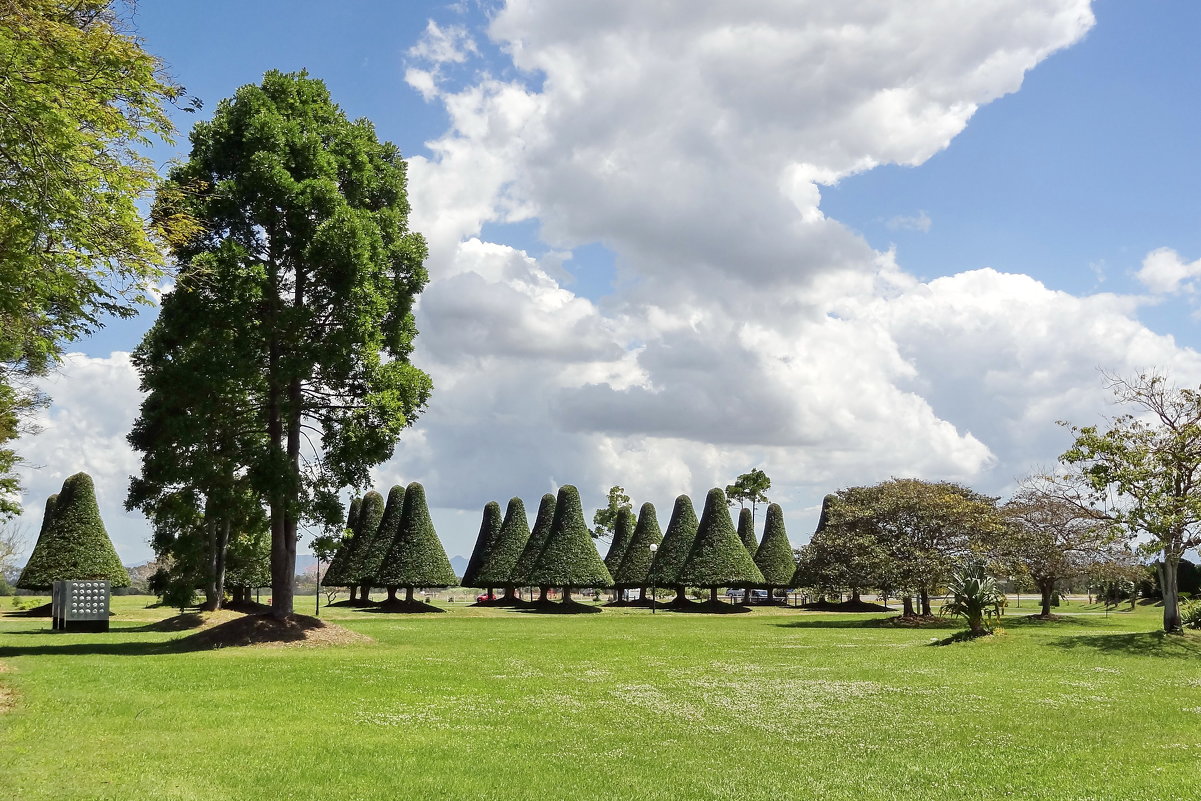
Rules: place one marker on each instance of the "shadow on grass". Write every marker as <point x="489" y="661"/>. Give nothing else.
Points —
<point x="404" y="608"/>
<point x="1036" y="621"/>
<point x="558" y="608"/>
<point x="82" y="648"/>
<point x="1151" y="643"/>
<point x="710" y="608"/>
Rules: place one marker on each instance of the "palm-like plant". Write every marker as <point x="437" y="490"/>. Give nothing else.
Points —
<point x="973" y="592"/>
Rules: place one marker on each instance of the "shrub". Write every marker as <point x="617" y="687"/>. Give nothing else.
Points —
<point x="569" y="558"/>
<point x="634" y="570"/>
<point x="489" y="531"/>
<point x="498" y="567"/>
<point x="746" y="530"/>
<point x="416" y="557"/>
<point x="623" y="532"/>
<point x="74" y="544"/>
<point x="718" y="558"/>
<point x="537" y="541"/>
<point x="677" y="543"/>
<point x="774" y="557"/>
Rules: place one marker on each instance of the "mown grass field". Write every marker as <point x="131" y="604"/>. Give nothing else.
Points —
<point x="486" y="703"/>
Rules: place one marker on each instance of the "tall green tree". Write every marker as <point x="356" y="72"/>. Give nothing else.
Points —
<point x="718" y="558"/>
<point x="484" y="541"/>
<point x="416" y="558"/>
<point x="923" y="527"/>
<point x="75" y="545"/>
<point x="604" y="521"/>
<point x="749" y="488"/>
<point x="524" y="568"/>
<point x="361" y="561"/>
<point x="569" y="559"/>
<point x="498" y="567"/>
<point x="673" y="552"/>
<point x="1144" y="470"/>
<point x="303" y="243"/>
<point x="80" y="100"/>
<point x="846" y="553"/>
<point x="774" y="557"/>
<point x="634" y="570"/>
<point x="1053" y="535"/>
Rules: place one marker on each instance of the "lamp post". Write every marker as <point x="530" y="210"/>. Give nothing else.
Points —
<point x="654" y="548"/>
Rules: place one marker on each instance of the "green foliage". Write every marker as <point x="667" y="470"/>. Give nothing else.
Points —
<point x="75" y="545"/>
<point x="335" y="574"/>
<point x="81" y="100"/>
<point x="774" y="556"/>
<point x="360" y="565"/>
<point x="677" y="543"/>
<point x="1190" y="614"/>
<point x="746" y="530"/>
<point x="538" y="537"/>
<point x="846" y="552"/>
<point x="569" y="559"/>
<point x="634" y="570"/>
<point x="605" y="520"/>
<point x="749" y="488"/>
<point x="377" y="546"/>
<point x="623" y="533"/>
<point x="498" y="568"/>
<point x="350" y="571"/>
<point x="416" y="558"/>
<point x="307" y="273"/>
<point x="489" y="531"/>
<point x="973" y="592"/>
<point x="248" y="563"/>
<point x="1143" y="471"/>
<point x="718" y="558"/>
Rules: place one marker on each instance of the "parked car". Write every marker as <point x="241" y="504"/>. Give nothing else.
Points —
<point x="483" y="596"/>
<point x="736" y="594"/>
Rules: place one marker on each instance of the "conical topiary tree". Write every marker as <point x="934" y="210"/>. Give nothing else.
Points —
<point x="371" y="511"/>
<point x="623" y="532"/>
<point x="634" y="570"/>
<point x="335" y="574"/>
<point x="569" y="558"/>
<point x="498" y="567"/>
<point x="674" y="550"/>
<point x="416" y="558"/>
<point x="524" y="568"/>
<point x="774" y="558"/>
<point x="718" y="557"/>
<point x="746" y="530"/>
<point x="489" y="531"/>
<point x="74" y="545"/>
<point x="385" y="537"/>
<point x="361" y="564"/>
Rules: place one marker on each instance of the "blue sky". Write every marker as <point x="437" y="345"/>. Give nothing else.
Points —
<point x="658" y="259"/>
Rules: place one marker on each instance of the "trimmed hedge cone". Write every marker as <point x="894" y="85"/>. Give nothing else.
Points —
<point x="498" y="567"/>
<point x="718" y="557"/>
<point x="673" y="552"/>
<point x="381" y="544"/>
<point x="569" y="559"/>
<point x="774" y="558"/>
<point x="746" y="531"/>
<point x="73" y="545"/>
<point x="416" y="557"/>
<point x="524" y="569"/>
<point x="489" y="531"/>
<point x="371" y="511"/>
<point x="634" y="571"/>
<point x="336" y="572"/>
<point x="623" y="533"/>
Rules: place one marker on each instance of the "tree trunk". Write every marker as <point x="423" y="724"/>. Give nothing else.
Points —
<point x="353" y="593"/>
<point x="542" y="591"/>
<point x="392" y="593"/>
<point x="408" y="595"/>
<point x="925" y="598"/>
<point x="907" y="609"/>
<point x="855" y="595"/>
<point x="680" y="592"/>
<point x="222" y="550"/>
<point x="510" y="597"/>
<point x="211" y="601"/>
<point x="365" y="594"/>
<point x="1046" y="589"/>
<point x="713" y="595"/>
<point x="1171" y="594"/>
<point x="566" y="595"/>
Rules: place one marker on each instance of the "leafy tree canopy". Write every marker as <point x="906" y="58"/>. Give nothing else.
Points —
<point x="604" y="522"/>
<point x="749" y="488"/>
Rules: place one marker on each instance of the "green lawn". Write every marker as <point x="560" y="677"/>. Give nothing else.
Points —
<point x="498" y="704"/>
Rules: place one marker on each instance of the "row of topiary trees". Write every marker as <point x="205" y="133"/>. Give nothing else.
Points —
<point x="559" y="552"/>
<point x="393" y="545"/>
